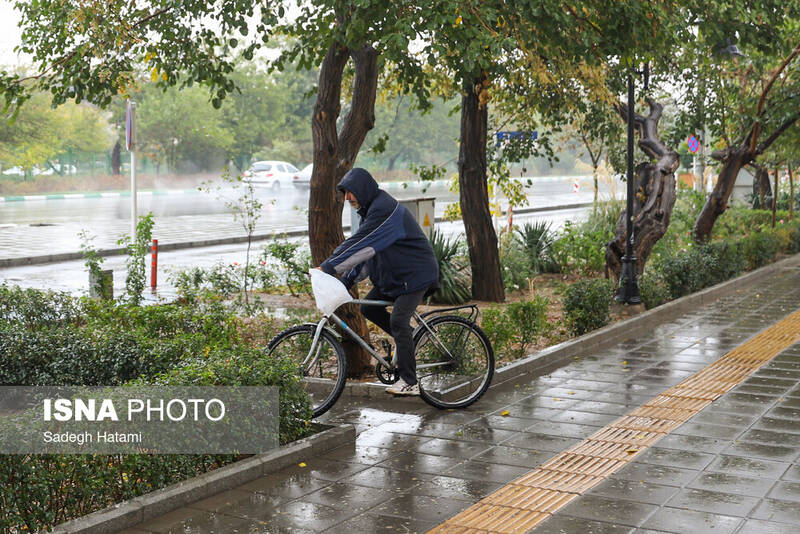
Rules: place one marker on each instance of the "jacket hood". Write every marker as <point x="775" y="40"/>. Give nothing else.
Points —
<point x="361" y="184"/>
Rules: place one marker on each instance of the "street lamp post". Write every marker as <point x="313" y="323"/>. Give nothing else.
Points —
<point x="628" y="292"/>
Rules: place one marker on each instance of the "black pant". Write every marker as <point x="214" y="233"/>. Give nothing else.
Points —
<point x="397" y="325"/>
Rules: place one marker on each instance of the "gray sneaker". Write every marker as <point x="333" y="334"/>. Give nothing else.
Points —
<point x="401" y="388"/>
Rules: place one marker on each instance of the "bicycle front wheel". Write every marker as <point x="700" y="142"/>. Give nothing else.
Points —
<point x="324" y="370"/>
<point x="455" y="362"/>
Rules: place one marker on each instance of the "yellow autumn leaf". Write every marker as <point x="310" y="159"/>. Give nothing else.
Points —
<point x="624" y="362"/>
<point x="154" y="75"/>
<point x="302" y="464"/>
<point x="458" y="21"/>
<point x="505" y="413"/>
<point x="632" y="450"/>
<point x="164" y="76"/>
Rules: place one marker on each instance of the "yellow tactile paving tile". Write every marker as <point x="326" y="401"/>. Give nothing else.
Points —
<point x="500" y="519"/>
<point x="530" y="498"/>
<point x="677" y="403"/>
<point x="626" y="435"/>
<point x="558" y="481"/>
<point x="527" y="501"/>
<point x="661" y="412"/>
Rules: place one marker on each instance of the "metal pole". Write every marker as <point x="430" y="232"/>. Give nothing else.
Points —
<point x="154" y="266"/>
<point x="629" y="290"/>
<point x="134" y="210"/>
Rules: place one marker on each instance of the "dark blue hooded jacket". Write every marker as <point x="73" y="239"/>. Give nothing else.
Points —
<point x="389" y="245"/>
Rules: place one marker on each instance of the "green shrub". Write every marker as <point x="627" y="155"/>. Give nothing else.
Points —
<point x="515" y="265"/>
<point x="760" y="248"/>
<point x="727" y="262"/>
<point x="687" y="272"/>
<point x="497" y="329"/>
<point x="455" y="283"/>
<point x="242" y="366"/>
<point x="294" y="260"/>
<point x="535" y="239"/>
<point x="587" y="305"/>
<point x="581" y="248"/>
<point x="513" y="329"/>
<point x="40" y="491"/>
<point x="653" y="290"/>
<point x="53" y="339"/>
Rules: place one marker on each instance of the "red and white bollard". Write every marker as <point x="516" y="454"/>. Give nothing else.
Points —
<point x="154" y="266"/>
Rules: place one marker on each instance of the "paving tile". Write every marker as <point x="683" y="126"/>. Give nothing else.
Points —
<point x="778" y="425"/>
<point x="708" y="430"/>
<point x="740" y="485"/>
<point x="780" y="511"/>
<point x="487" y="472"/>
<point x="604" y="407"/>
<point x="453" y="487"/>
<point x="387" y="479"/>
<point x="674" y="458"/>
<point x="754" y="467"/>
<point x="381" y="523"/>
<point x="422" y="507"/>
<point x="482" y="434"/>
<point x="192" y="520"/>
<point x="455" y="449"/>
<point x="417" y="462"/>
<point x="507" y="422"/>
<point x="239" y="503"/>
<point x="564" y="524"/>
<point x="734" y="420"/>
<point x="307" y="515"/>
<point x="786" y="491"/>
<point x="541" y="442"/>
<point x="787" y="412"/>
<point x="528" y="412"/>
<point x="540" y="401"/>
<point x="768" y="437"/>
<point x="792" y="473"/>
<point x="566" y="430"/>
<point x="584" y="418"/>
<point x="349" y="497"/>
<point x="657" y="474"/>
<point x="637" y="491"/>
<point x="714" y="502"/>
<point x="283" y="487"/>
<point x="359" y="454"/>
<point x="611" y="510"/>
<point x="518" y="456"/>
<point x="758" y="450"/>
<point x="693" y="443"/>
<point x="758" y="526"/>
<point x="376" y="438"/>
<point x="684" y="521"/>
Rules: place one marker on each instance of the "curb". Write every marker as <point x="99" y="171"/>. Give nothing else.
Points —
<point x="139" y="509"/>
<point x="81" y="196"/>
<point x="6" y="263"/>
<point x="608" y="335"/>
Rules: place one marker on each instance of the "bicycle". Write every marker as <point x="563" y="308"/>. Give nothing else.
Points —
<point x="455" y="360"/>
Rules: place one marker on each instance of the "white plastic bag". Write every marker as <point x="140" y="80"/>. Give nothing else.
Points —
<point x="329" y="292"/>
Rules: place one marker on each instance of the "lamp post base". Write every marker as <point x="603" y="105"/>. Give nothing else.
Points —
<point x="628" y="292"/>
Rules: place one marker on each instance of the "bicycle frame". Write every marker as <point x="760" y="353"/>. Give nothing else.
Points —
<point x="311" y="357"/>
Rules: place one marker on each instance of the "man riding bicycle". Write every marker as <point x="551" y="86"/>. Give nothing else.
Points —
<point x="391" y="249"/>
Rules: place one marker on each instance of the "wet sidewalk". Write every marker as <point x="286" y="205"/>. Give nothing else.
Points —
<point x="732" y="467"/>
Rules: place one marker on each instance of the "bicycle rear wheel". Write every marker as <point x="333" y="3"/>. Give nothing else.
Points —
<point x="455" y="362"/>
<point x="324" y="372"/>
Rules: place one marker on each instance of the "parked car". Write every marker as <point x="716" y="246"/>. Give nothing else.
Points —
<point x="274" y="174"/>
<point x="302" y="180"/>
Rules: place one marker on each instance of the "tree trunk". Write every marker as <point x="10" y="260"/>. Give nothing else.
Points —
<point x="775" y="197"/>
<point x="654" y="184"/>
<point x="761" y="187"/>
<point x="717" y="201"/>
<point x="487" y="280"/>
<point x="791" y="194"/>
<point x="116" y="159"/>
<point x="334" y="154"/>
